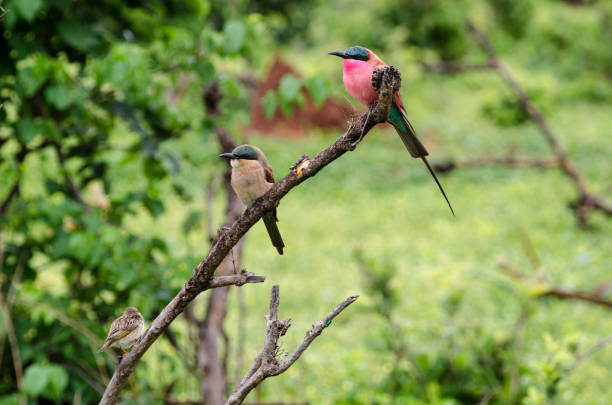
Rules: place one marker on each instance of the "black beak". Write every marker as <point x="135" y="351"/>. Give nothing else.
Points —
<point x="228" y="156"/>
<point x="340" y="54"/>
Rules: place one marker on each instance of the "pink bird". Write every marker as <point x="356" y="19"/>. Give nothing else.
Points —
<point x="358" y="65"/>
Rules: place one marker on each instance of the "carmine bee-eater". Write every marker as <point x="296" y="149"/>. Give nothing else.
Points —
<point x="358" y="65"/>
<point x="252" y="176"/>
<point x="125" y="330"/>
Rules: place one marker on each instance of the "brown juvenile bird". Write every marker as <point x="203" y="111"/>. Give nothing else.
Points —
<point x="125" y="330"/>
<point x="252" y="176"/>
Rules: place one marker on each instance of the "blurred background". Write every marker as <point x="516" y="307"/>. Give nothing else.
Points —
<point x="112" y="116"/>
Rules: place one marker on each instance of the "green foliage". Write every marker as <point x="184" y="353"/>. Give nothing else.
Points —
<point x="435" y="24"/>
<point x="45" y="380"/>
<point x="102" y="119"/>
<point x="514" y="16"/>
<point x="291" y="93"/>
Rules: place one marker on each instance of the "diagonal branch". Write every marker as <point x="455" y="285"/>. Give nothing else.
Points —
<point x="389" y="81"/>
<point x="266" y="363"/>
<point x="586" y="201"/>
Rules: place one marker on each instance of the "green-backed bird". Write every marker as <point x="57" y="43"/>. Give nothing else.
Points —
<point x="125" y="330"/>
<point x="252" y="176"/>
<point x="358" y="65"/>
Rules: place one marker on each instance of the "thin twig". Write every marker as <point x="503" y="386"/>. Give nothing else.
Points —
<point x="589" y="352"/>
<point x="266" y="363"/>
<point x="489" y="161"/>
<point x="577" y="295"/>
<point x="229" y="237"/>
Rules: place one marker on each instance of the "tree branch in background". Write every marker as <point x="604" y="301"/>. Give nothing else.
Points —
<point x="586" y="201"/>
<point x="388" y="80"/>
<point x="455" y="67"/>
<point x="594" y="296"/>
<point x="266" y="363"/>
<point x="489" y="161"/>
<point x="211" y="361"/>
<point x="9" y="197"/>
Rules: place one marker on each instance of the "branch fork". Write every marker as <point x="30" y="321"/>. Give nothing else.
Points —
<point x="200" y="281"/>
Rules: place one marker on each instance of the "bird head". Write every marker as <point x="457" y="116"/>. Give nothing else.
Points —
<point x="355" y="53"/>
<point x="246" y="152"/>
<point x="131" y="311"/>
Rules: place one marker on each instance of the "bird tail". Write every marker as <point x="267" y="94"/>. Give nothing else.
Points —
<point x="107" y="343"/>
<point x="269" y="219"/>
<point x="404" y="129"/>
<point x="438" y="183"/>
<point x="398" y="119"/>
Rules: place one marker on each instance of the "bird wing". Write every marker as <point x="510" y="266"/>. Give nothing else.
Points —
<point x="121" y="327"/>
<point x="269" y="174"/>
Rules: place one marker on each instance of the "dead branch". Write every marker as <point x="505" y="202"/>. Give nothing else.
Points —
<point x="390" y="82"/>
<point x="239" y="279"/>
<point x="490" y="161"/>
<point x="586" y="202"/>
<point x="211" y="361"/>
<point x="594" y="296"/>
<point x="586" y="296"/>
<point x="266" y="363"/>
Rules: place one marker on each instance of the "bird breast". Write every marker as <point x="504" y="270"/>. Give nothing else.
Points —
<point x="357" y="77"/>
<point x="249" y="181"/>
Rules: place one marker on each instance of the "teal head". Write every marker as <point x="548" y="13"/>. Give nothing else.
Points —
<point x="354" y="52"/>
<point x="245" y="152"/>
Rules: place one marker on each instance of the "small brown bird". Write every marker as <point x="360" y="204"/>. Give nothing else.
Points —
<point x="125" y="330"/>
<point x="252" y="176"/>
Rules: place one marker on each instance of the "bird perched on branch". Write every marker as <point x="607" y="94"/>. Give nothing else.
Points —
<point x="358" y="65"/>
<point x="252" y="176"/>
<point x="125" y="330"/>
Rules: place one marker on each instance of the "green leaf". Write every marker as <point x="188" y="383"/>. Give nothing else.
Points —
<point x="63" y="96"/>
<point x="28" y="129"/>
<point x="234" y="32"/>
<point x="36" y="379"/>
<point x="289" y="92"/>
<point x="154" y="205"/>
<point x="154" y="169"/>
<point x="33" y="72"/>
<point x="12" y="399"/>
<point x="268" y="102"/>
<point x="289" y="87"/>
<point x="27" y="8"/>
<point x="58" y="380"/>
<point x="318" y="88"/>
<point x="78" y="35"/>
<point x="191" y="221"/>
